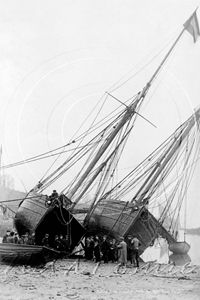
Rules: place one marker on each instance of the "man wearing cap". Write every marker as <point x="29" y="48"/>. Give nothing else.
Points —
<point x="54" y="195"/>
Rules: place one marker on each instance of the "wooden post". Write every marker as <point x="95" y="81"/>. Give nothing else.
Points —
<point x="171" y="268"/>
<point x="117" y="268"/>
<point x="175" y="272"/>
<point x="143" y="267"/>
<point x="184" y="267"/>
<point x="165" y="267"/>
<point x="150" y="270"/>
<point x="190" y="271"/>
<point x="147" y="268"/>
<point x="95" y="269"/>
<point x="70" y="268"/>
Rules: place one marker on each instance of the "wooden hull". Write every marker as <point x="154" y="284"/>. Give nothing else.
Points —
<point x="116" y="218"/>
<point x="30" y="212"/>
<point x="33" y="215"/>
<point x="179" y="247"/>
<point x="26" y="254"/>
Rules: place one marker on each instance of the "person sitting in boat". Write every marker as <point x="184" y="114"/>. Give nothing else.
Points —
<point x="5" y="237"/>
<point x="52" y="198"/>
<point x="45" y="240"/>
<point x="21" y="240"/>
<point x="54" y="195"/>
<point x="31" y="239"/>
<point x="11" y="238"/>
<point x="16" y="238"/>
<point x="26" y="235"/>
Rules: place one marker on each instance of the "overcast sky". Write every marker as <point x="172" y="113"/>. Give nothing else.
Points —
<point x="58" y="57"/>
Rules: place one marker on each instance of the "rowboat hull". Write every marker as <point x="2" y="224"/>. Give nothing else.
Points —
<point x="17" y="254"/>
<point x="179" y="247"/>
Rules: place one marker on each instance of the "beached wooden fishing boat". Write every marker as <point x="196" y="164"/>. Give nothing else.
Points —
<point x="34" y="214"/>
<point x="107" y="213"/>
<point x="132" y="217"/>
<point x="112" y="218"/>
<point x="26" y="254"/>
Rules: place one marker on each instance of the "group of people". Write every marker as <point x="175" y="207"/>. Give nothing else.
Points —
<point x="112" y="250"/>
<point x="13" y="237"/>
<point x="95" y="249"/>
<point x="59" y="242"/>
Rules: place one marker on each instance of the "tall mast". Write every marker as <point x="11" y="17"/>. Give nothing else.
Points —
<point x="100" y="169"/>
<point x="130" y="111"/>
<point x="161" y="164"/>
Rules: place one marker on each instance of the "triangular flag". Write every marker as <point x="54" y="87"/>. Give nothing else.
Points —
<point x="192" y="26"/>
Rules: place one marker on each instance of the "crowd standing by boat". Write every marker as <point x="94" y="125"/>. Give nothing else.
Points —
<point x="93" y="248"/>
<point x="111" y="250"/>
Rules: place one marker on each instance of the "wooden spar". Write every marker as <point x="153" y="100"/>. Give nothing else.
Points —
<point x="97" y="173"/>
<point x="95" y="269"/>
<point x="71" y="267"/>
<point x="128" y="114"/>
<point x="166" y="56"/>
<point x="130" y="111"/>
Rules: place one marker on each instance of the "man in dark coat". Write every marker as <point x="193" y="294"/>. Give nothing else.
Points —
<point x="97" y="250"/>
<point x="136" y="244"/>
<point x="105" y="249"/>
<point x="45" y="240"/>
<point x="91" y="248"/>
<point x="130" y="249"/>
<point x="113" y="251"/>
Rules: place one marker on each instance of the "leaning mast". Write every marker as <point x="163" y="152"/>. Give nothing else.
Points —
<point x="129" y="113"/>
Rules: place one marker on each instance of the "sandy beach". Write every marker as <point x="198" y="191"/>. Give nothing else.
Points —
<point x="86" y="280"/>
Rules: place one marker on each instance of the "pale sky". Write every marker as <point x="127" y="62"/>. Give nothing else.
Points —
<point x="58" y="57"/>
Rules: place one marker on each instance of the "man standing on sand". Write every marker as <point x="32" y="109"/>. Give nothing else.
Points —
<point x="105" y="249"/>
<point x="136" y="243"/>
<point x="122" y="252"/>
<point x="130" y="249"/>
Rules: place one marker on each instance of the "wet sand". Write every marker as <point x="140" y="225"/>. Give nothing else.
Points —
<point x="86" y="280"/>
